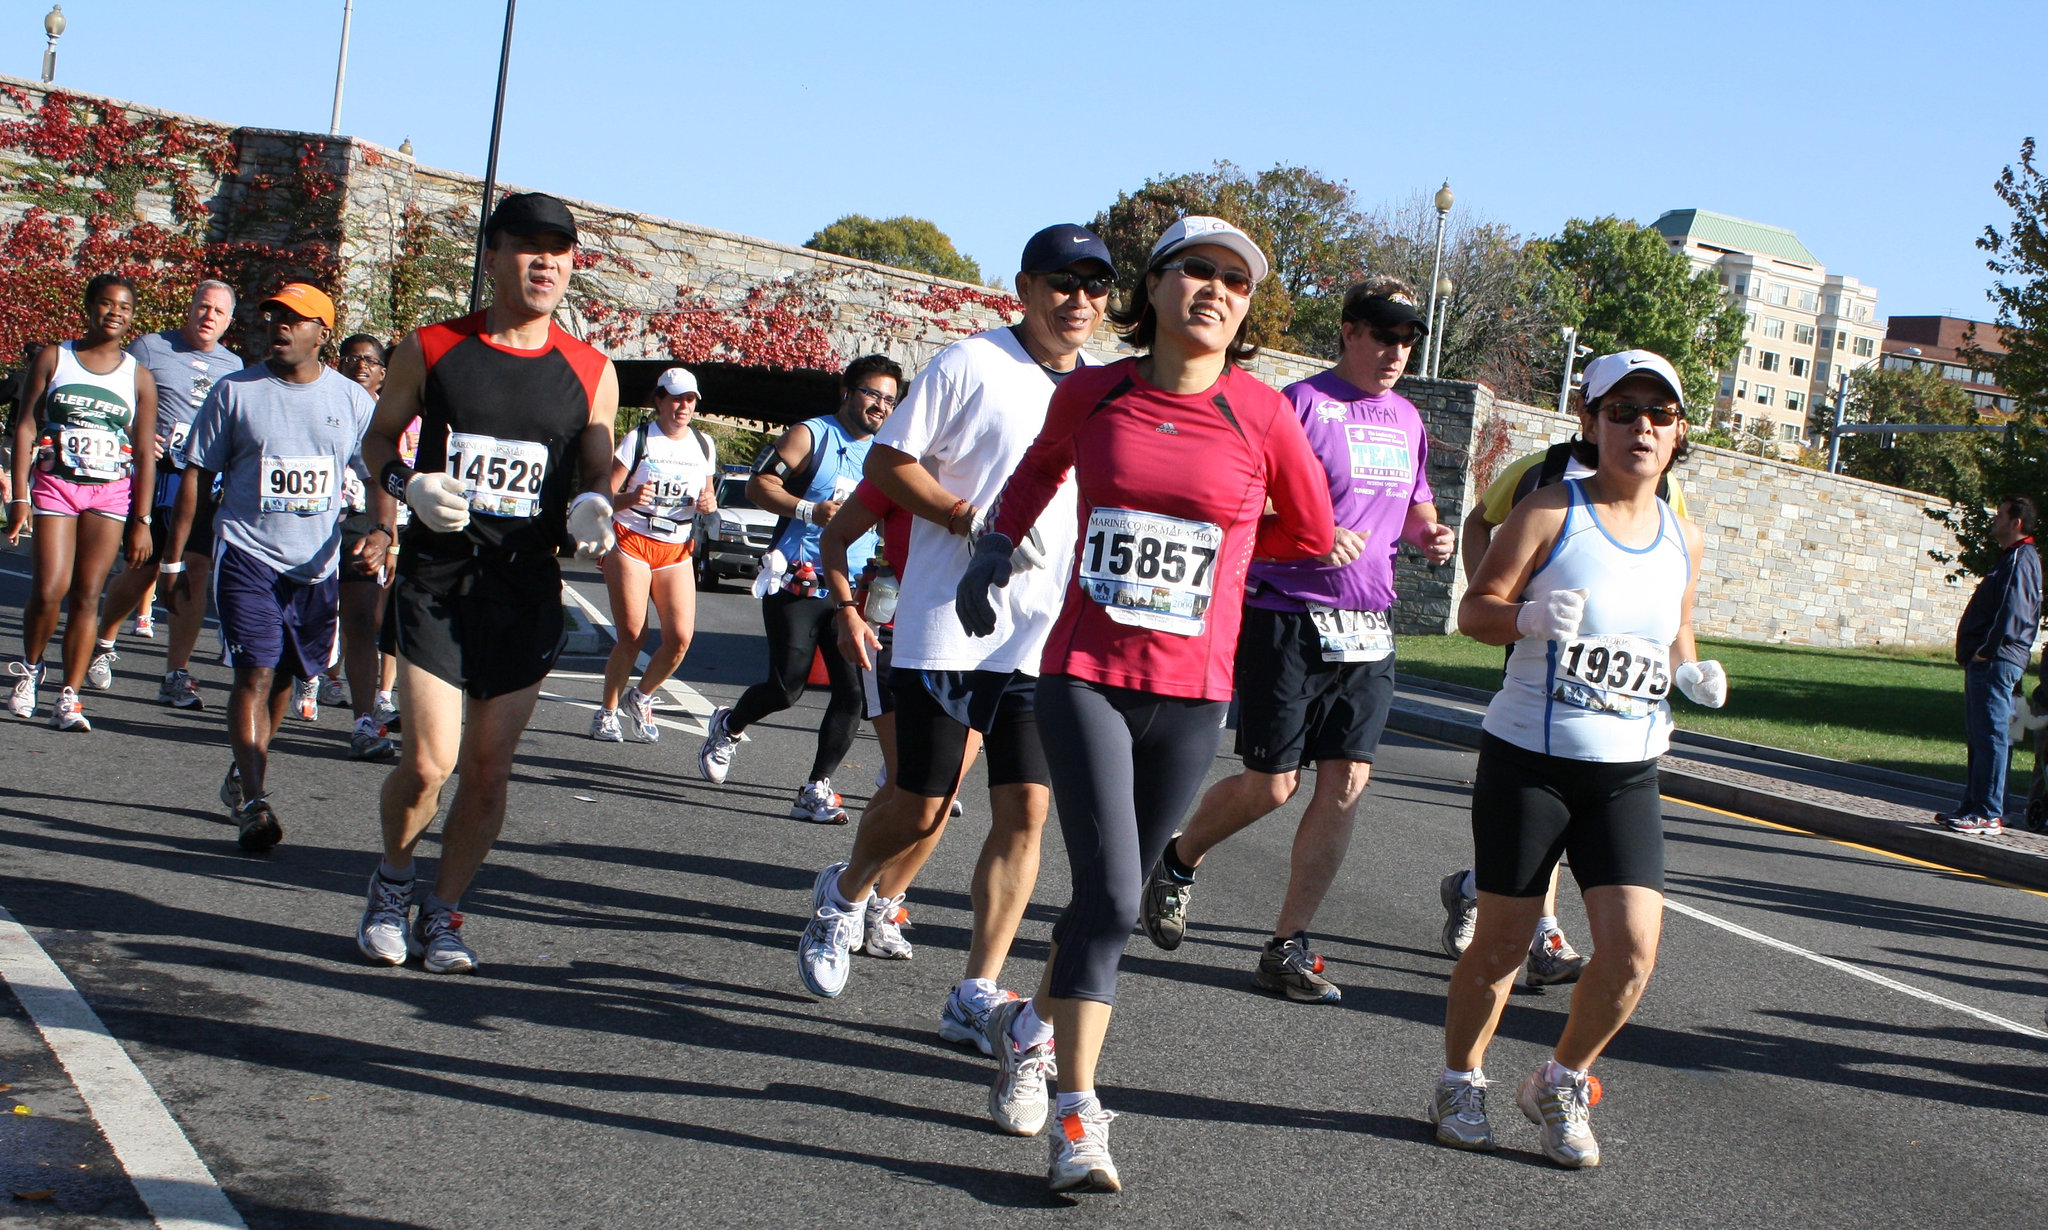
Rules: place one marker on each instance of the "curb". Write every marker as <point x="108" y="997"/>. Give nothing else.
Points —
<point x="583" y="639"/>
<point x="1950" y="850"/>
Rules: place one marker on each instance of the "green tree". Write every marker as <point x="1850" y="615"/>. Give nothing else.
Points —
<point x="902" y="243"/>
<point x="1623" y="287"/>
<point x="1136" y="219"/>
<point x="1943" y="464"/>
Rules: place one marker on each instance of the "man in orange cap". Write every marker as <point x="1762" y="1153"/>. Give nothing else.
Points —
<point x="280" y="435"/>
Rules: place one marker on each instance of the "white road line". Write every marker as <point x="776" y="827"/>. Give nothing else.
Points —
<point x="180" y="1192"/>
<point x="592" y="705"/>
<point x="688" y="697"/>
<point x="1989" y="1018"/>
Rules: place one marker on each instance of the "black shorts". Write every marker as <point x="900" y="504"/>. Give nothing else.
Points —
<point x="1293" y="707"/>
<point x="931" y="739"/>
<point x="199" y="541"/>
<point x="490" y="625"/>
<point x="354" y="528"/>
<point x="1528" y="809"/>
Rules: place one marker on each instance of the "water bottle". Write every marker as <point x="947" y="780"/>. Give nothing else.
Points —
<point x="882" y="594"/>
<point x="805" y="581"/>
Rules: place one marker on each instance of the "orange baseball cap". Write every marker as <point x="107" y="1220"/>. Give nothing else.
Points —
<point x="308" y="301"/>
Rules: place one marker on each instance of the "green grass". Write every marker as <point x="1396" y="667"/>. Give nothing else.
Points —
<point x="1895" y="708"/>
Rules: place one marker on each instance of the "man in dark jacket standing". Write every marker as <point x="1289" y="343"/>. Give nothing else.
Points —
<point x="1993" y="644"/>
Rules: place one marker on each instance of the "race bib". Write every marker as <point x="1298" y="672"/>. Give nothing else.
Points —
<point x="842" y="487"/>
<point x="178" y="433"/>
<point x="502" y="478"/>
<point x="1150" y="571"/>
<point x="297" y="484"/>
<point x="1627" y="675"/>
<point x="92" y="453"/>
<point x="1352" y="636"/>
<point x="670" y="492"/>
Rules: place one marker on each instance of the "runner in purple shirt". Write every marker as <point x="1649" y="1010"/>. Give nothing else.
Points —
<point x="1315" y="658"/>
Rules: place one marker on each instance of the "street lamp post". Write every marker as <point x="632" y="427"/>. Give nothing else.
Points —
<point x="476" y="281"/>
<point x="348" y="10"/>
<point x="1573" y="352"/>
<point x="1436" y="269"/>
<point x="53" y="25"/>
<point x="1841" y="413"/>
<point x="1435" y="342"/>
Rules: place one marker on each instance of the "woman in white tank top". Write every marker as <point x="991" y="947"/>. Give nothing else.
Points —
<point x="1591" y="581"/>
<point x="85" y="404"/>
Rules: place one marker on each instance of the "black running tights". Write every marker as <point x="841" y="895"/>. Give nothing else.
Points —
<point x="796" y="628"/>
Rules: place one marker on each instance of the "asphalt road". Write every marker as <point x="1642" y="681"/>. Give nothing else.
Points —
<point x="638" y="1049"/>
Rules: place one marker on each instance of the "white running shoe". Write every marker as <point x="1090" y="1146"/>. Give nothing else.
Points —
<point x="1552" y="961"/>
<point x="1461" y="914"/>
<point x="604" y="726"/>
<point x="385" y="710"/>
<point x="1017" y="1098"/>
<point x="956" y="811"/>
<point x="883" y="928"/>
<point x="231" y="788"/>
<point x="180" y="691"/>
<point x="306" y="700"/>
<point x="69" y="714"/>
<point x="27" y="680"/>
<point x="639" y="707"/>
<point x="382" y="932"/>
<point x="818" y="803"/>
<point x="825" y="953"/>
<point x="145" y="626"/>
<point x="1458" y="1109"/>
<point x="1566" y="1115"/>
<point x="331" y="691"/>
<point x="437" y="938"/>
<point x="714" y="758"/>
<point x="100" y="675"/>
<point x="960" y="1021"/>
<point x="1080" y="1154"/>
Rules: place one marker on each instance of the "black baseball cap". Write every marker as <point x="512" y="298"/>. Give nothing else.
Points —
<point x="531" y="213"/>
<point x="1056" y="247"/>
<point x="1387" y="312"/>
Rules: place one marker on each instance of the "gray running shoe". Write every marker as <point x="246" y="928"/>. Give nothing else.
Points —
<point x="1552" y="961"/>
<point x="180" y="691"/>
<point x="1080" y="1154"/>
<point x="306" y="700"/>
<point x="367" y="741"/>
<point x="1461" y="914"/>
<point x="958" y="1022"/>
<point x="883" y="929"/>
<point x="1288" y="968"/>
<point x="1017" y="1099"/>
<point x="231" y="789"/>
<point x="437" y="937"/>
<point x="824" y="955"/>
<point x="260" y="829"/>
<point x="27" y="679"/>
<point x="69" y="714"/>
<point x="1165" y="907"/>
<point x="331" y="691"/>
<point x="1566" y="1115"/>
<point x="1458" y="1109"/>
<point x="714" y="758"/>
<point x="639" y="707"/>
<point x="604" y="726"/>
<point x="386" y="713"/>
<point x="386" y="919"/>
<point x="100" y="675"/>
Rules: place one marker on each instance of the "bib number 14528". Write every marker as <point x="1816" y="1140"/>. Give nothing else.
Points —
<point x="502" y="478"/>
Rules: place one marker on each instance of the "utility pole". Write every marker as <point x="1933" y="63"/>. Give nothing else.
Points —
<point x="476" y="281"/>
<point x="348" y="10"/>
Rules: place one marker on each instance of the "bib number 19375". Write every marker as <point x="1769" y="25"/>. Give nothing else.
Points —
<point x="1150" y="571"/>
<point x="1618" y="674"/>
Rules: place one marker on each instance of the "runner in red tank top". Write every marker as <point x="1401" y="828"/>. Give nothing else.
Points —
<point x="1176" y="455"/>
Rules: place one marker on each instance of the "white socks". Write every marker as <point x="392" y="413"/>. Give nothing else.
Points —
<point x="1453" y="1076"/>
<point x="1079" y="1102"/>
<point x="1554" y="1073"/>
<point x="1029" y="1029"/>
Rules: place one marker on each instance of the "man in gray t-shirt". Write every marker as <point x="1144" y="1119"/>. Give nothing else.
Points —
<point x="280" y="435"/>
<point x="187" y="362"/>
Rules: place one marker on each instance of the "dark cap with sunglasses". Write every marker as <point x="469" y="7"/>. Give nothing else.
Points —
<point x="1603" y="373"/>
<point x="1058" y="247"/>
<point x="1388" y="314"/>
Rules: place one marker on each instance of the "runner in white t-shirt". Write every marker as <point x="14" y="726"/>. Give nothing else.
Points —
<point x="662" y="477"/>
<point x="945" y="455"/>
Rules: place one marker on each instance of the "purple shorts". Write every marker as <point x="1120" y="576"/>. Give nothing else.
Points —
<point x="55" y="497"/>
<point x="269" y="621"/>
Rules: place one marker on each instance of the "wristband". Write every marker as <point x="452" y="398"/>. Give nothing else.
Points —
<point x="172" y="569"/>
<point x="395" y="477"/>
<point x="804" y="509"/>
<point x="953" y="514"/>
<point x="847" y="604"/>
<point x="381" y="529"/>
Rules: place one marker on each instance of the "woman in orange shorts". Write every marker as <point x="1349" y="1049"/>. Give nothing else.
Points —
<point x="662" y="475"/>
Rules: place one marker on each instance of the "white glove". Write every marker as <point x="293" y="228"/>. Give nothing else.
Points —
<point x="1555" y="616"/>
<point x="437" y="500"/>
<point x="769" y="580"/>
<point x="590" y="524"/>
<point x="1704" y="683"/>
<point x="1029" y="554"/>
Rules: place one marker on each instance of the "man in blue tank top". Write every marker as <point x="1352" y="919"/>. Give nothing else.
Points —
<point x="804" y="477"/>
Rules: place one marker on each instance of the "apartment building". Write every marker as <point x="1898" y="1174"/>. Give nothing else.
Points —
<point x="1944" y="345"/>
<point x="1805" y="325"/>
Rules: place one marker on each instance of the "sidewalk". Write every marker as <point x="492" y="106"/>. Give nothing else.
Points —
<point x="1876" y="807"/>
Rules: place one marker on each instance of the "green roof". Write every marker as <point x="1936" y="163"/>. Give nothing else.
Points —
<point x="1738" y="234"/>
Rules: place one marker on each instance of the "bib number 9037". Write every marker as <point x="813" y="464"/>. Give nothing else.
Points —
<point x="297" y="484"/>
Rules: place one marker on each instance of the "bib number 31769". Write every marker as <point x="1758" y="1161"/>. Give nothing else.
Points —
<point x="502" y="478"/>
<point x="1150" y="571"/>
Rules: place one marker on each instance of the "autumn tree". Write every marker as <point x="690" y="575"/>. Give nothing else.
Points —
<point x="901" y="243"/>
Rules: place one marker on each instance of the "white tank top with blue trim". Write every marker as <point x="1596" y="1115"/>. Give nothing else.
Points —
<point x="1602" y="695"/>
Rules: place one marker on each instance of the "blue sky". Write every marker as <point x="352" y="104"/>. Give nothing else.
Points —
<point x="1872" y="129"/>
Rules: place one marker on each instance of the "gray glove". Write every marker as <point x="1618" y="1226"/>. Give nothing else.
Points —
<point x="990" y="566"/>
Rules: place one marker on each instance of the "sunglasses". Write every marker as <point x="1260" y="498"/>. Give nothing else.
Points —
<point x="1626" y="414"/>
<point x="1390" y="337"/>
<point x="1202" y="269"/>
<point x="1066" y="282"/>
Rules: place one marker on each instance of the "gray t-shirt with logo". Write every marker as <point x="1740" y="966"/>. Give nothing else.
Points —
<point x="184" y="376"/>
<point x="281" y="450"/>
